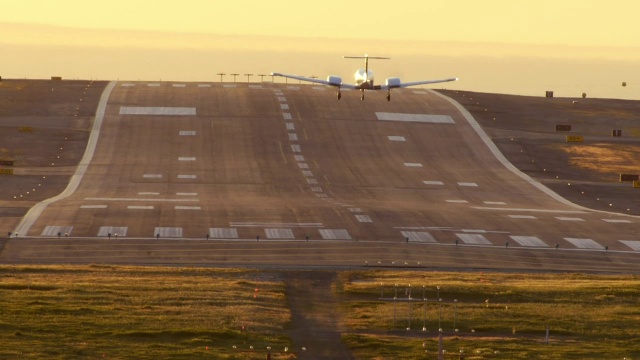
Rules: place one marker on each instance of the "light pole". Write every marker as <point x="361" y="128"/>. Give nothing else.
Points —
<point x="424" y="309"/>
<point x="234" y="76"/>
<point x="440" y="314"/>
<point x="410" y="308"/>
<point x="395" y="297"/>
<point x="221" y="75"/>
<point x="455" y="313"/>
<point x="262" y="77"/>
<point x="438" y="296"/>
<point x="248" y="76"/>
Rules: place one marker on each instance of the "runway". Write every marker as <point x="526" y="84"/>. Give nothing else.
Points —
<point x="276" y="162"/>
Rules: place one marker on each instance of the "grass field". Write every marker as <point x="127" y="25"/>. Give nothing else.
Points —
<point x="497" y="316"/>
<point x="90" y="312"/>
<point x="120" y="312"/>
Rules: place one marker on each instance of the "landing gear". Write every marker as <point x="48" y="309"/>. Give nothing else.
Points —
<point x="362" y="95"/>
<point x="388" y="95"/>
<point x="339" y="95"/>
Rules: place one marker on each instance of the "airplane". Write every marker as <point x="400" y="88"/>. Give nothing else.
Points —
<point x="364" y="79"/>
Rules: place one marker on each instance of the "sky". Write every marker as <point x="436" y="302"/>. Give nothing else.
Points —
<point x="524" y="47"/>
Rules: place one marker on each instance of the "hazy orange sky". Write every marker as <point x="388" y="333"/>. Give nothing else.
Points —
<point x="582" y="40"/>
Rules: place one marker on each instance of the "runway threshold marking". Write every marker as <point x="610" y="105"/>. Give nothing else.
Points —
<point x="633" y="244"/>
<point x="584" y="243"/>
<point x="55" y="230"/>
<point x="113" y="230"/>
<point x="532" y="241"/>
<point x="530" y="210"/>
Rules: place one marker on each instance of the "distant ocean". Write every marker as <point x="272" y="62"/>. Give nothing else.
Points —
<point x="519" y="75"/>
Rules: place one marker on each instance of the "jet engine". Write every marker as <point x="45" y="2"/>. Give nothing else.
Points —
<point x="334" y="80"/>
<point x="393" y="83"/>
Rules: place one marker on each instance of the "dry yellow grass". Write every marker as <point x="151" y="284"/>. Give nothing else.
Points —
<point x="604" y="158"/>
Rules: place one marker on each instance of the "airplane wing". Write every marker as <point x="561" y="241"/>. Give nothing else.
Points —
<point x="398" y="84"/>
<point x="317" y="81"/>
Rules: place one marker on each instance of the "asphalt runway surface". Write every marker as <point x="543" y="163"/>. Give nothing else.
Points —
<point x="286" y="175"/>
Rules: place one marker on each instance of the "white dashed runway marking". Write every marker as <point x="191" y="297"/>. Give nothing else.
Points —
<point x="522" y="217"/>
<point x="140" y="207"/>
<point x="187" y="176"/>
<point x="412" y="164"/>
<point x="396" y="138"/>
<point x="293" y="137"/>
<point x="148" y="193"/>
<point x="290" y="126"/>
<point x="152" y="176"/>
<point x="298" y="157"/>
<point x="284" y="106"/>
<point x="617" y="221"/>
<point x="584" y="243"/>
<point x="178" y="85"/>
<point x="178" y="207"/>
<point x="494" y="203"/>
<point x="562" y="218"/>
<point x="187" y="194"/>
<point x="287" y="116"/>
<point x="458" y="201"/>
<point x="153" y="85"/>
<point x="186" y="159"/>
<point x="467" y="184"/>
<point x="204" y="85"/>
<point x="433" y="182"/>
<point x="296" y="148"/>
<point x="364" y="218"/>
<point x="187" y="133"/>
<point x="229" y="85"/>
<point x="93" y="206"/>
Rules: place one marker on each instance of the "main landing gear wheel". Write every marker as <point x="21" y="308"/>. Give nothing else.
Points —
<point x="339" y="95"/>
<point x="389" y="95"/>
<point x="362" y="96"/>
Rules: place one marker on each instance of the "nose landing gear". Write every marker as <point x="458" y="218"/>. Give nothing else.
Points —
<point x="339" y="95"/>
<point x="389" y="95"/>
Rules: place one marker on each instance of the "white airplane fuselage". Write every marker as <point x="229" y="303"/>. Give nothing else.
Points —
<point x="364" y="79"/>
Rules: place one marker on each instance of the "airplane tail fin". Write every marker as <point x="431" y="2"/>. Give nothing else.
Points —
<point x="366" y="60"/>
